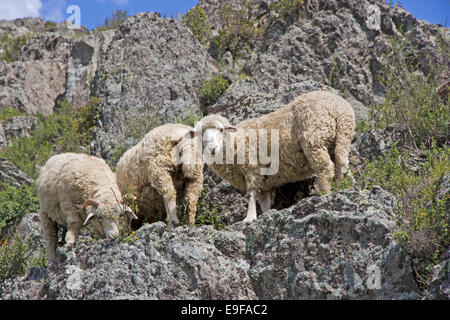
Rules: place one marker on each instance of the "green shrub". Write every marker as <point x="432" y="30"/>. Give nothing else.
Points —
<point x="204" y="215"/>
<point x="197" y="21"/>
<point x="11" y="45"/>
<point x="66" y="130"/>
<point x="211" y="90"/>
<point x="16" y="260"/>
<point x="112" y="22"/>
<point x="411" y="98"/>
<point x="15" y="203"/>
<point x="288" y="10"/>
<point x="8" y="113"/>
<point x="190" y="117"/>
<point x="238" y="29"/>
<point x="423" y="222"/>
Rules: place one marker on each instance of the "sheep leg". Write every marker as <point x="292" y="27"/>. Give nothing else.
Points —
<point x="265" y="200"/>
<point x="342" y="153"/>
<point x="320" y="161"/>
<point x="192" y="193"/>
<point x="72" y="232"/>
<point x="164" y="185"/>
<point x="51" y="236"/>
<point x="251" y="211"/>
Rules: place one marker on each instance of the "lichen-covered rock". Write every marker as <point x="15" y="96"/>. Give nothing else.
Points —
<point x="152" y="67"/>
<point x="338" y="246"/>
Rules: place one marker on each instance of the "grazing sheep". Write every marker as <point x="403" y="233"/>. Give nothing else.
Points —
<point x="156" y="174"/>
<point x="70" y="184"/>
<point x="301" y="139"/>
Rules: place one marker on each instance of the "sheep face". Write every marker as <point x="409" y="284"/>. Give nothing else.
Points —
<point x="104" y="219"/>
<point x="213" y="130"/>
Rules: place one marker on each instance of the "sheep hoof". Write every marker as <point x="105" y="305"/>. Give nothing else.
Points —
<point x="249" y="220"/>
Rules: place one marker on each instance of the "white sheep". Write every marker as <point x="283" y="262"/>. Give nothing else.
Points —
<point x="157" y="170"/>
<point x="300" y="137"/>
<point x="70" y="184"/>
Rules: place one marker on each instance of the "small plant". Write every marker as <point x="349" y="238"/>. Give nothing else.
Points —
<point x="15" y="203"/>
<point x="66" y="130"/>
<point x="411" y="99"/>
<point x="204" y="215"/>
<point x="10" y="46"/>
<point x="13" y="258"/>
<point x="197" y="21"/>
<point x="112" y="22"/>
<point x="211" y="90"/>
<point x="190" y="117"/>
<point x="288" y="10"/>
<point x="9" y="113"/>
<point x="238" y="31"/>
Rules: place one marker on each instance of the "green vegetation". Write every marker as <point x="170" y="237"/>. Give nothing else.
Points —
<point x="15" y="260"/>
<point x="190" y="117"/>
<point x="15" y="203"/>
<point x="66" y="130"/>
<point x="411" y="99"/>
<point x="118" y="17"/>
<point x="239" y="29"/>
<point x="204" y="214"/>
<point x="411" y="102"/>
<point x="197" y="21"/>
<point x="10" y="46"/>
<point x="8" y="113"/>
<point x="288" y="10"/>
<point x="211" y="90"/>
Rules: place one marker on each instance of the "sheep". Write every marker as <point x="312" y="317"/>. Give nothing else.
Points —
<point x="158" y="172"/>
<point x="304" y="135"/>
<point x="74" y="190"/>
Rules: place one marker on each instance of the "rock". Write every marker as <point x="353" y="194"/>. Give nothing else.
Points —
<point x="337" y="246"/>
<point x="341" y="44"/>
<point x="152" y="67"/>
<point x="243" y="101"/>
<point x="440" y="280"/>
<point x="15" y="127"/>
<point x="32" y="86"/>
<point x="10" y="174"/>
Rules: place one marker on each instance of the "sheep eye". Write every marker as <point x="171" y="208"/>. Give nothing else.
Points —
<point x="221" y="130"/>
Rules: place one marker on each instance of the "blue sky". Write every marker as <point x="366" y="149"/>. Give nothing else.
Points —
<point x="93" y="12"/>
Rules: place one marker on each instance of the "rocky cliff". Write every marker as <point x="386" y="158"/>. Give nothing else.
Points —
<point x="148" y="71"/>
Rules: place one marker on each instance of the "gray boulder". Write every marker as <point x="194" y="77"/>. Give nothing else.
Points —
<point x="151" y="70"/>
<point x="337" y="246"/>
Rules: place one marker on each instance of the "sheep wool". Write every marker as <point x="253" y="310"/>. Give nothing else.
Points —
<point x="313" y="129"/>
<point x="68" y="185"/>
<point x="158" y="178"/>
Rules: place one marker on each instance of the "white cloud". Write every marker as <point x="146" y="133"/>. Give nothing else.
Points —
<point x="12" y="9"/>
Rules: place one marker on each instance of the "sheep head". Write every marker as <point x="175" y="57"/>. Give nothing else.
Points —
<point x="212" y="129"/>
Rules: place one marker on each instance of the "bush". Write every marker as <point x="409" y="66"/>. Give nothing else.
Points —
<point x="66" y="130"/>
<point x="422" y="219"/>
<point x="211" y="90"/>
<point x="15" y="260"/>
<point x="238" y="29"/>
<point x="204" y="214"/>
<point x="411" y="98"/>
<point x="11" y="46"/>
<point x="114" y="21"/>
<point x="15" y="203"/>
<point x="8" y="113"/>
<point x="288" y="10"/>
<point x="197" y="21"/>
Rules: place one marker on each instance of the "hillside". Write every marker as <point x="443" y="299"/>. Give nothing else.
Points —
<point x="101" y="91"/>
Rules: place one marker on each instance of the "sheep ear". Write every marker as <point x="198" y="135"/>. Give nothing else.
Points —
<point x="91" y="202"/>
<point x="89" y="217"/>
<point x="231" y="128"/>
